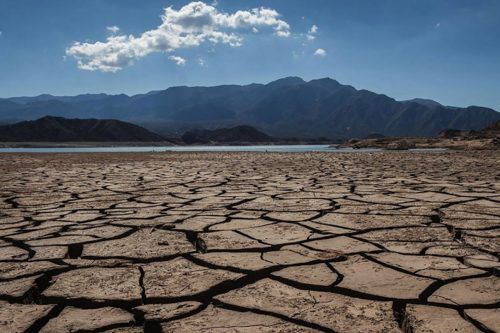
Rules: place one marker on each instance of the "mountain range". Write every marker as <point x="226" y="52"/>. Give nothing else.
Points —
<point x="57" y="129"/>
<point x="288" y="107"/>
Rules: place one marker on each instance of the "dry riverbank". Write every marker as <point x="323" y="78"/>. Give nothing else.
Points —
<point x="250" y="242"/>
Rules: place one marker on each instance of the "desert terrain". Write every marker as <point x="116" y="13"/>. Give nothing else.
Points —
<point x="250" y="242"/>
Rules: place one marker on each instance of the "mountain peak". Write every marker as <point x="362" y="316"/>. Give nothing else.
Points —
<point x="325" y="82"/>
<point x="45" y="96"/>
<point x="424" y="101"/>
<point x="48" y="118"/>
<point x="325" y="79"/>
<point x="286" y="82"/>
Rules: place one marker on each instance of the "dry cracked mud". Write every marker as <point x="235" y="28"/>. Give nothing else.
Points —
<point x="250" y="242"/>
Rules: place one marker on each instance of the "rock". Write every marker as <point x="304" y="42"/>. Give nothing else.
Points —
<point x="328" y="310"/>
<point x="18" y="318"/>
<point x="97" y="284"/>
<point x="164" y="312"/>
<point x="452" y="133"/>
<point x="365" y="276"/>
<point x="431" y="319"/>
<point x="486" y="317"/>
<point x="400" y="145"/>
<point x="180" y="277"/>
<point x="75" y="320"/>
<point x="218" y="320"/>
<point x="470" y="291"/>
<point x="142" y="244"/>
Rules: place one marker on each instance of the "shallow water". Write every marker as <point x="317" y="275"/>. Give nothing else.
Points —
<point x="263" y="148"/>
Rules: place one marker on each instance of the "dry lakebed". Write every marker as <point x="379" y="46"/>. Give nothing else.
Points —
<point x="250" y="242"/>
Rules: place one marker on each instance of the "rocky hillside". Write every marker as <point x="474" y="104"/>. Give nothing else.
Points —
<point x="487" y="138"/>
<point x="57" y="129"/>
<point x="238" y="134"/>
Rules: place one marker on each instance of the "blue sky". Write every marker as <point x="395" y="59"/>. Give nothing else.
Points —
<point x="446" y="50"/>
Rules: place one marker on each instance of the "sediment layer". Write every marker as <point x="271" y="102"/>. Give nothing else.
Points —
<point x="246" y="242"/>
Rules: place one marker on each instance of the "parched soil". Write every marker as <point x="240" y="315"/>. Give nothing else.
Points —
<point x="250" y="242"/>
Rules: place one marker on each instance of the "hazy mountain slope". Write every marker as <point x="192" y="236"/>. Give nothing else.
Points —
<point x="56" y="129"/>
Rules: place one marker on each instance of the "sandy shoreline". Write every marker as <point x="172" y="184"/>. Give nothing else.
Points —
<point x="250" y="242"/>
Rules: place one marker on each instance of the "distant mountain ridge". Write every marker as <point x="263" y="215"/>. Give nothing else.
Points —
<point x="425" y="101"/>
<point x="288" y="107"/>
<point x="57" y="129"/>
<point x="238" y="134"/>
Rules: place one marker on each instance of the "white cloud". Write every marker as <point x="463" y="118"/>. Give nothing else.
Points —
<point x="320" y="52"/>
<point x="190" y="26"/>
<point x="201" y="62"/>
<point x="255" y="30"/>
<point x="179" y="61"/>
<point x="113" y="29"/>
<point x="311" y="34"/>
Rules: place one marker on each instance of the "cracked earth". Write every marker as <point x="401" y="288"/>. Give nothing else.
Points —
<point x="250" y="242"/>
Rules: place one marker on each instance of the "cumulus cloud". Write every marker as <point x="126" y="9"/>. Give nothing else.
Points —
<point x="179" y="61"/>
<point x="113" y="29"/>
<point x="311" y="33"/>
<point x="320" y="53"/>
<point x="190" y="26"/>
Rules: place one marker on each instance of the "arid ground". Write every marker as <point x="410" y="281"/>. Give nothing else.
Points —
<point x="250" y="242"/>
